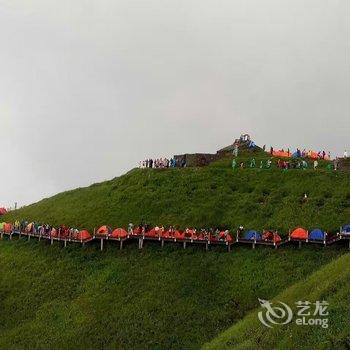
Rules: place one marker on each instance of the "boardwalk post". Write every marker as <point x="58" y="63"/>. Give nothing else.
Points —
<point x="184" y="244"/>
<point x="162" y="243"/>
<point x="51" y="241"/>
<point x="29" y="237"/>
<point x="299" y="244"/>
<point x="2" y="234"/>
<point x="65" y="243"/>
<point x="229" y="248"/>
<point x="101" y="244"/>
<point x="121" y="244"/>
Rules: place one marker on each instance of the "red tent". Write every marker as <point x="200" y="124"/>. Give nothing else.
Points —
<point x="104" y="231"/>
<point x="137" y="231"/>
<point x="272" y="236"/>
<point x="83" y="235"/>
<point x="179" y="235"/>
<point x="189" y="233"/>
<point x="3" y="211"/>
<point x="119" y="233"/>
<point x="226" y="237"/>
<point x="151" y="233"/>
<point x="299" y="233"/>
<point x="168" y="234"/>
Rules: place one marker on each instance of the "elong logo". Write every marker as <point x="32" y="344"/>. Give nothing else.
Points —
<point x="282" y="314"/>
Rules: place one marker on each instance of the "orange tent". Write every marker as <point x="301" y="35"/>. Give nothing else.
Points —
<point x="272" y="236"/>
<point x="151" y="233"/>
<point x="119" y="233"/>
<point x="300" y="233"/>
<point x="281" y="154"/>
<point x="313" y="155"/>
<point x="83" y="235"/>
<point x="104" y="231"/>
<point x="7" y="228"/>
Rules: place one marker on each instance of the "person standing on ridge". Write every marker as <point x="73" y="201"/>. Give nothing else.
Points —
<point x="234" y="164"/>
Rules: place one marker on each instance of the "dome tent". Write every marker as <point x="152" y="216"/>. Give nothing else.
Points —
<point x="317" y="235"/>
<point x="252" y="235"/>
<point x="299" y="234"/>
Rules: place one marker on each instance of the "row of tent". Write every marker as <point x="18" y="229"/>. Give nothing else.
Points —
<point x="298" y="234"/>
<point x="285" y="154"/>
<point x="63" y="232"/>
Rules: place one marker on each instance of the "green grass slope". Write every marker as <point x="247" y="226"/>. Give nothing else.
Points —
<point x="330" y="283"/>
<point x="55" y="298"/>
<point x="214" y="196"/>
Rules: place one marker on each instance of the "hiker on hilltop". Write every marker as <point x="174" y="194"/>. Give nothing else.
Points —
<point x="236" y="150"/>
<point x="336" y="164"/>
<point x="315" y="164"/>
<point x="234" y="164"/>
<point x="345" y="154"/>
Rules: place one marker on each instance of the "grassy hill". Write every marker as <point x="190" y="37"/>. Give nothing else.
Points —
<point x="173" y="298"/>
<point x="330" y="283"/>
<point x="78" y="298"/>
<point x="214" y="196"/>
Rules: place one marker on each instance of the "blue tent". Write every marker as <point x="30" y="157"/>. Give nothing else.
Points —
<point x="251" y="235"/>
<point x="317" y="235"/>
<point x="295" y="155"/>
<point x="346" y="228"/>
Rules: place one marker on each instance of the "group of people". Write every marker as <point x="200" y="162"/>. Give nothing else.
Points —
<point x="44" y="229"/>
<point x="205" y="234"/>
<point x="160" y="163"/>
<point x="281" y="164"/>
<point x="252" y="164"/>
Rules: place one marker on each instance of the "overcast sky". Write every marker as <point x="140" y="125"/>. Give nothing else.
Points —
<point x="88" y="88"/>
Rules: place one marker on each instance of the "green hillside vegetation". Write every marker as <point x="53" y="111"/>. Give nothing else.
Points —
<point x="77" y="297"/>
<point x="330" y="283"/>
<point x="171" y="298"/>
<point x="213" y="196"/>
